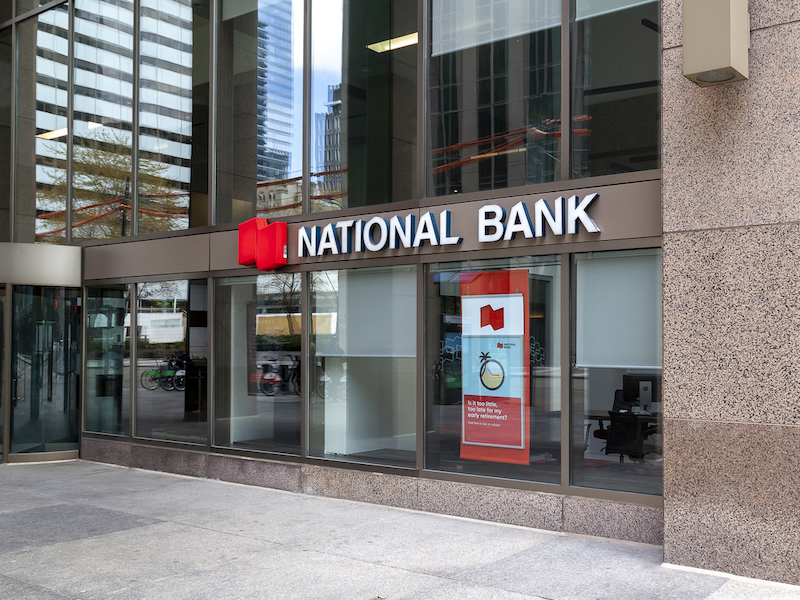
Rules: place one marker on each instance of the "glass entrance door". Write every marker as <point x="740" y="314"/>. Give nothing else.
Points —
<point x="45" y="359"/>
<point x="2" y="367"/>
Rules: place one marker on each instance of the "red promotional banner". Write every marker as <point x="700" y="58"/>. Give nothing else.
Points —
<point x="495" y="420"/>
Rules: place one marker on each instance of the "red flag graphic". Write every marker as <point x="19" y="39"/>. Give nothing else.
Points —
<point x="490" y="316"/>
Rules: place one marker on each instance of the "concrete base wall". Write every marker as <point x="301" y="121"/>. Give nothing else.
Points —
<point x="552" y="512"/>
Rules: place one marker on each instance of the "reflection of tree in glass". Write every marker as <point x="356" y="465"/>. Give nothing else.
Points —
<point x="166" y="291"/>
<point x="102" y="194"/>
<point x="284" y="291"/>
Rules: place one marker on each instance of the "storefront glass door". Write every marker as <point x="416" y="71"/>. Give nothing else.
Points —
<point x="45" y="359"/>
<point x="2" y="366"/>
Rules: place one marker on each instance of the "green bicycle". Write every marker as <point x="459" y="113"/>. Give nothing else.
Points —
<point x="164" y="376"/>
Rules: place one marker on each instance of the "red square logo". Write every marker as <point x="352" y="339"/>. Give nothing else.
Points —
<point x="263" y="244"/>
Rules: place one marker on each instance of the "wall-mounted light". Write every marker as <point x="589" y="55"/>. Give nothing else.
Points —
<point x="716" y="40"/>
<point x="394" y="43"/>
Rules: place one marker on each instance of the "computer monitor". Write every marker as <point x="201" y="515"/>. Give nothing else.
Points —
<point x="641" y="389"/>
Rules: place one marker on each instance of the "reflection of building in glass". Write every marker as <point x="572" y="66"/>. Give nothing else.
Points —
<point x="507" y="140"/>
<point x="167" y="79"/>
<point x="102" y="123"/>
<point x="329" y="143"/>
<point x="275" y="91"/>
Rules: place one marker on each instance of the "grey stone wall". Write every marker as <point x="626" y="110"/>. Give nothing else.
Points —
<point x="552" y="512"/>
<point x="731" y="206"/>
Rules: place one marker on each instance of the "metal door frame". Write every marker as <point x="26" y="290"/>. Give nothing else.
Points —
<point x="8" y="457"/>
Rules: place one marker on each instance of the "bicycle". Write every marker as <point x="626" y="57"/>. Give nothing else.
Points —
<point x="270" y="379"/>
<point x="164" y="376"/>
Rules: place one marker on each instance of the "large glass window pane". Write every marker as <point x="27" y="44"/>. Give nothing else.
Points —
<point x="260" y="109"/>
<point x="173" y="115"/>
<point x="101" y="119"/>
<point x="616" y="381"/>
<point x="363" y="86"/>
<point x="41" y="153"/>
<point x="108" y="359"/>
<point x="172" y="360"/>
<point x="493" y="343"/>
<point x="616" y="53"/>
<point x="494" y="94"/>
<point x="362" y="390"/>
<point x="257" y="379"/>
<point x="45" y="369"/>
<point x="5" y="133"/>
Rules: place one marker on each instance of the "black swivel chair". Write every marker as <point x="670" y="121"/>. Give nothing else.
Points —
<point x="628" y="433"/>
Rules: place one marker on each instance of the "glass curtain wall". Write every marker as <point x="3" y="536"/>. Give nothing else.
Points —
<point x="172" y="109"/>
<point x="364" y="100"/>
<point x="616" y="381"/>
<point x="616" y="53"/>
<point x="108" y="359"/>
<point x="493" y="340"/>
<point x="173" y="115"/>
<point x="102" y="120"/>
<point x="495" y="94"/>
<point x="363" y="379"/>
<point x="260" y="109"/>
<point x="172" y="360"/>
<point x="258" y="328"/>
<point x="41" y="136"/>
<point x="45" y="369"/>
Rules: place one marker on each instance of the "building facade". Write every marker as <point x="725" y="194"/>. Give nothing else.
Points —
<point x="530" y="274"/>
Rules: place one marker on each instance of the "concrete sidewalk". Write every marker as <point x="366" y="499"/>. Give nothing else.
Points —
<point x="87" y="530"/>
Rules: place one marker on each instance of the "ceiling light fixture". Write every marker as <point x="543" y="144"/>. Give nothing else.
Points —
<point x="51" y="135"/>
<point x="395" y="43"/>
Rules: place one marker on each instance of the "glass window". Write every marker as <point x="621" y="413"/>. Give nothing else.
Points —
<point x="362" y="390"/>
<point x="108" y="359"/>
<point x="102" y="119"/>
<point x="5" y="133"/>
<point x="260" y="109"/>
<point x="616" y="381"/>
<point x="495" y="94"/>
<point x="257" y="337"/>
<point x="363" y="86"/>
<point x="41" y="153"/>
<point x="493" y="342"/>
<point x="171" y="360"/>
<point x="616" y="54"/>
<point x="45" y="369"/>
<point x="173" y="115"/>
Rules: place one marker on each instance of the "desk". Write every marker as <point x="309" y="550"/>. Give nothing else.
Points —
<point x="604" y="415"/>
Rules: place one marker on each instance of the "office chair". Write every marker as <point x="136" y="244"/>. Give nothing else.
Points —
<point x="628" y="434"/>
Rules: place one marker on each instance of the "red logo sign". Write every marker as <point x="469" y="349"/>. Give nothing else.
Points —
<point x="490" y="316"/>
<point x="263" y="244"/>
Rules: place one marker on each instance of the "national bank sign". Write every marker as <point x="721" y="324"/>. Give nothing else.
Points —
<point x="266" y="244"/>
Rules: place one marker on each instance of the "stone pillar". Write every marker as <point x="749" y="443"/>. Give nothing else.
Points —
<point x="731" y="217"/>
